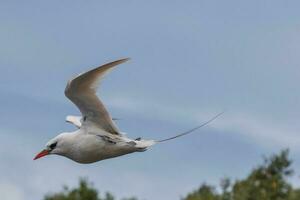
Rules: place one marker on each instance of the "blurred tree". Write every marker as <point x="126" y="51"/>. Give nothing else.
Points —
<point x="205" y="192"/>
<point x="85" y="191"/>
<point x="295" y="195"/>
<point x="225" y="186"/>
<point x="266" y="182"/>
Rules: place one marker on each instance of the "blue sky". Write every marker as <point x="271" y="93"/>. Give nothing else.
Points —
<point x="190" y="60"/>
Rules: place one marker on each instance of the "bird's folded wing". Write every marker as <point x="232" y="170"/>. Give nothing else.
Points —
<point x="76" y="120"/>
<point x="82" y="92"/>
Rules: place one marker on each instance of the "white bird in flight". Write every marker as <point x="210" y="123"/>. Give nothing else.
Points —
<point x="97" y="137"/>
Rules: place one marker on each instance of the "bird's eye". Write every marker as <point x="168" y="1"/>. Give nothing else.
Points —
<point x="53" y="145"/>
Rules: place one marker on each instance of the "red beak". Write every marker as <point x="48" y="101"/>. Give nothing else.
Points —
<point x="41" y="154"/>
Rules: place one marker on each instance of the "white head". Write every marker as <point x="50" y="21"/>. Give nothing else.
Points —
<point x="58" y="145"/>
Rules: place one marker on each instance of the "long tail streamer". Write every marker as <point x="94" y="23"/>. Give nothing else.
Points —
<point x="193" y="129"/>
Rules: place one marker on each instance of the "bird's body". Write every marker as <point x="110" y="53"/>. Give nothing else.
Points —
<point x="89" y="147"/>
<point x="97" y="137"/>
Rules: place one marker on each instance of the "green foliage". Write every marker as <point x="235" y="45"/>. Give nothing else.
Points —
<point x="225" y="186"/>
<point x="295" y="194"/>
<point x="205" y="192"/>
<point x="85" y="191"/>
<point x="265" y="182"/>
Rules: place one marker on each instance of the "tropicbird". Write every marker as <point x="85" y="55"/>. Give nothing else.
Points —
<point x="97" y="137"/>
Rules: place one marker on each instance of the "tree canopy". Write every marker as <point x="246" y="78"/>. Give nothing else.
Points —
<point x="267" y="181"/>
<point x="84" y="191"/>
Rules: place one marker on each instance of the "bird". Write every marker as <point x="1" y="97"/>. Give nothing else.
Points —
<point x="97" y="137"/>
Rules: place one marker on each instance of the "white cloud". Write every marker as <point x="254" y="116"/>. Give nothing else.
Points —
<point x="266" y="132"/>
<point x="263" y="131"/>
<point x="162" y="110"/>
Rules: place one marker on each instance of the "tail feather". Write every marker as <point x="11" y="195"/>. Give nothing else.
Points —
<point x="191" y="130"/>
<point x="143" y="145"/>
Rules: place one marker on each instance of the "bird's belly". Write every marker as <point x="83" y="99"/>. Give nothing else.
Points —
<point x="99" y="149"/>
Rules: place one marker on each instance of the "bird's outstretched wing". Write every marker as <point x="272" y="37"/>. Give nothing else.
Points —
<point x="82" y="92"/>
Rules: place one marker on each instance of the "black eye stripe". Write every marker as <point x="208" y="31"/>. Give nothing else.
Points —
<point x="53" y="145"/>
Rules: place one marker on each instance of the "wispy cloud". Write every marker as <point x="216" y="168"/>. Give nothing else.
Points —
<point x="262" y="131"/>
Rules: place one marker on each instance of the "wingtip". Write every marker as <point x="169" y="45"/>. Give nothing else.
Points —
<point x="125" y="59"/>
<point x="122" y="60"/>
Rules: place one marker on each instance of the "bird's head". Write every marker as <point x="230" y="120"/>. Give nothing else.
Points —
<point x="54" y="146"/>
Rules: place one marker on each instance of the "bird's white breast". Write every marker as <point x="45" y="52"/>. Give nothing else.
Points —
<point x="89" y="148"/>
